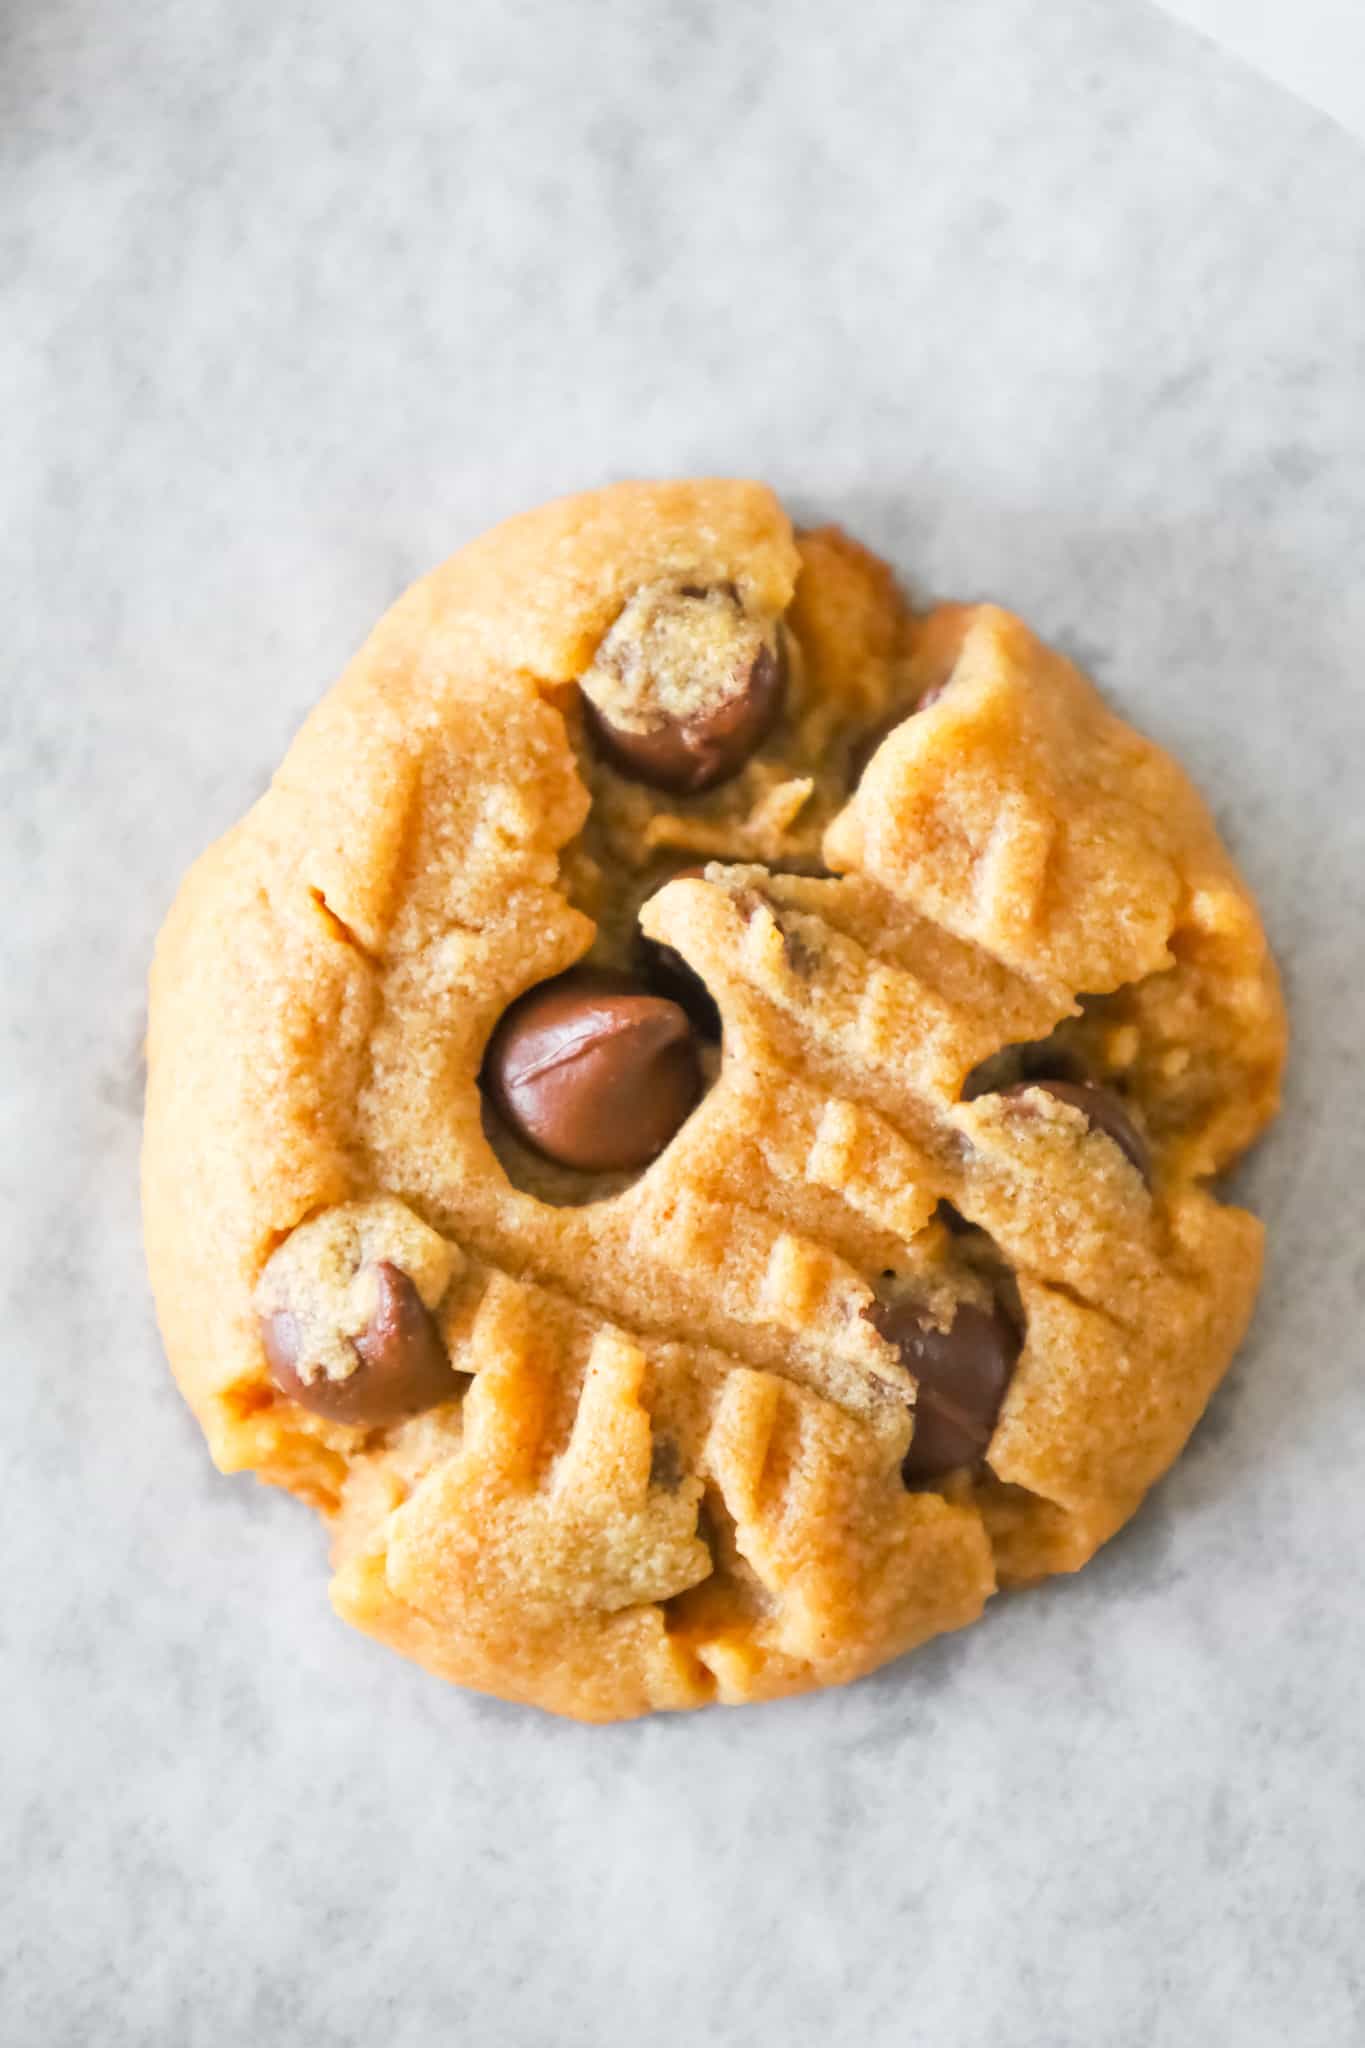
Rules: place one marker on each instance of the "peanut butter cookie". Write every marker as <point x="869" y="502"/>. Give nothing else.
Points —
<point x="682" y="1122"/>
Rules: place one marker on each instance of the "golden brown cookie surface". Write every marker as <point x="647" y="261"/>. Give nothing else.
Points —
<point x="695" y="1196"/>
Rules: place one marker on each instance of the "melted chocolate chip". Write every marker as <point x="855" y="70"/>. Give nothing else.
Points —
<point x="594" y="1071"/>
<point x="403" y="1365"/>
<point x="1102" y="1110"/>
<point x="961" y="1375"/>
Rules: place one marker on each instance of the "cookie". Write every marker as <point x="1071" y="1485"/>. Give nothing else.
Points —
<point x="683" y="1121"/>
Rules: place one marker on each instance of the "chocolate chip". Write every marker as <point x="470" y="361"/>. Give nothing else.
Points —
<point x="685" y="686"/>
<point x="403" y="1364"/>
<point x="594" y="1071"/>
<point x="1102" y="1110"/>
<point x="688" y="755"/>
<point x="668" y="974"/>
<point x="961" y="1375"/>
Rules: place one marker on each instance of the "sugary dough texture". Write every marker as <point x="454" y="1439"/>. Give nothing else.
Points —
<point x="669" y="1467"/>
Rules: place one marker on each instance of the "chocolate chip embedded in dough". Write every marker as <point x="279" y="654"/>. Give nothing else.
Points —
<point x="593" y="1070"/>
<point x="402" y="1368"/>
<point x="685" y="686"/>
<point x="1102" y="1110"/>
<point x="961" y="1375"/>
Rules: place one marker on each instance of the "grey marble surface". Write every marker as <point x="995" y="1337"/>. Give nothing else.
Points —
<point x="1050" y="302"/>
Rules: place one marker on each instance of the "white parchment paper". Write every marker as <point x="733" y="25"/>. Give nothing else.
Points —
<point x="1049" y="302"/>
<point x="1315" y="48"/>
